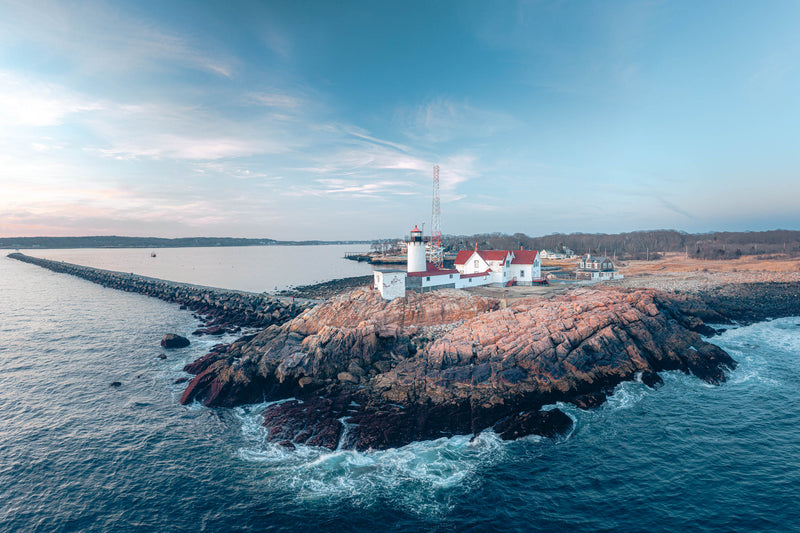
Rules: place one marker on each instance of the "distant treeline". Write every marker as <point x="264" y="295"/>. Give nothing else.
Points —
<point x="146" y="242"/>
<point x="643" y="244"/>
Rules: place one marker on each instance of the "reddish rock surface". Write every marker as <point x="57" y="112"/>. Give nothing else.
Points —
<point x="366" y="373"/>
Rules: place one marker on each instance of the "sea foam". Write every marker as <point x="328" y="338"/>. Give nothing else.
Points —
<point x="421" y="477"/>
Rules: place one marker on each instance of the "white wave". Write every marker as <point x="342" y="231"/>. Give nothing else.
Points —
<point x="782" y="334"/>
<point x="627" y="394"/>
<point x="756" y="348"/>
<point x="195" y="406"/>
<point x="421" y="476"/>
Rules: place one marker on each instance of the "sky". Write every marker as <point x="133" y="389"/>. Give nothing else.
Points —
<point x="323" y="120"/>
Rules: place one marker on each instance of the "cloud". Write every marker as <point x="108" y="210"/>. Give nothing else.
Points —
<point x="98" y="37"/>
<point x="232" y="170"/>
<point x="181" y="147"/>
<point x="33" y="104"/>
<point x="674" y="208"/>
<point x="277" y="100"/>
<point x="355" y="153"/>
<point x="130" y="131"/>
<point x="183" y="132"/>
<point x="442" y="120"/>
<point x="370" y="189"/>
<point x="455" y="170"/>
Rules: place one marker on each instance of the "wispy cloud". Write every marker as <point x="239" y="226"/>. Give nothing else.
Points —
<point x="674" y="208"/>
<point x="276" y="100"/>
<point x="98" y="37"/>
<point x="372" y="189"/>
<point x="443" y="120"/>
<point x="184" y="147"/>
<point x="232" y="170"/>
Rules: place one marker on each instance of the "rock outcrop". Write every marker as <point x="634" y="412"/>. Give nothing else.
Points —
<point x="173" y="340"/>
<point x="360" y="372"/>
<point x="363" y="373"/>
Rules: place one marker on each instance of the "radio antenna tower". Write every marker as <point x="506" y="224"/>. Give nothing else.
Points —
<point x="436" y="248"/>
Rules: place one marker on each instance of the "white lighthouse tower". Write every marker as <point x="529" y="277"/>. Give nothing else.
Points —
<point x="416" y="252"/>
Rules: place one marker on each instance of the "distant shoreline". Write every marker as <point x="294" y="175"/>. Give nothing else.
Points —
<point x="112" y="242"/>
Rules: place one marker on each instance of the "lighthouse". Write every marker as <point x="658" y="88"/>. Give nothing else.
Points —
<point x="416" y="252"/>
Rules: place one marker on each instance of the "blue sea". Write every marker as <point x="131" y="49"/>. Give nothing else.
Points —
<point x="77" y="454"/>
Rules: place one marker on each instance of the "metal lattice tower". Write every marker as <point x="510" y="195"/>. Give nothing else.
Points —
<point x="436" y="248"/>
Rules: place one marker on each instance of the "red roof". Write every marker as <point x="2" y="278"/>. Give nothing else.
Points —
<point x="524" y="257"/>
<point x="487" y="255"/>
<point x="494" y="255"/>
<point x="463" y="256"/>
<point x="476" y="274"/>
<point x="432" y="271"/>
<point x="416" y="229"/>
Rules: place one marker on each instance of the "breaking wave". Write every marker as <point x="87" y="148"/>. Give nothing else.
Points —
<point x="422" y="477"/>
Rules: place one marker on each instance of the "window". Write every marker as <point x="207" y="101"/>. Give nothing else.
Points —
<point x="476" y="263"/>
<point x="428" y="278"/>
<point x="451" y="276"/>
<point x="470" y="280"/>
<point x="522" y="273"/>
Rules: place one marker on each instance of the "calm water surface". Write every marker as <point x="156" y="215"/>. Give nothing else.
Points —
<point x="79" y="455"/>
<point x="246" y="268"/>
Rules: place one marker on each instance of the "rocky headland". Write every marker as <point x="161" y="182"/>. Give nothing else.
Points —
<point x="360" y="372"/>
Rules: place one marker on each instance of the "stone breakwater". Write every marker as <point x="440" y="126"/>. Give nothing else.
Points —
<point x="360" y="372"/>
<point x="222" y="310"/>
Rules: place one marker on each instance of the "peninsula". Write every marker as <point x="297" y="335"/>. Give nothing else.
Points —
<point x="359" y="371"/>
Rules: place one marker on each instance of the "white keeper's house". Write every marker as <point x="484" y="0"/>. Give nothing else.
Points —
<point x="473" y="268"/>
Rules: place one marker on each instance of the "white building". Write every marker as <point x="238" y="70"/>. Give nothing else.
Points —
<point x="473" y="269"/>
<point x="506" y="267"/>
<point x="551" y="254"/>
<point x="390" y="282"/>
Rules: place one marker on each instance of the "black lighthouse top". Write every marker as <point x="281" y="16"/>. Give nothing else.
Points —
<point x="416" y="234"/>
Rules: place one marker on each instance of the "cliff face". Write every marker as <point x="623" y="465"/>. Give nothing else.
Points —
<point x="348" y="340"/>
<point x="369" y="373"/>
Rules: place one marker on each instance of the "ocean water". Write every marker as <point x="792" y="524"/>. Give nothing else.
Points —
<point x="77" y="454"/>
<point x="245" y="268"/>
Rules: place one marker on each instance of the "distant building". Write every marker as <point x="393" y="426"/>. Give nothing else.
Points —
<point x="550" y="254"/>
<point x="597" y="268"/>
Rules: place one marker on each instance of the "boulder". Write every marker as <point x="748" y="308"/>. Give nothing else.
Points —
<point x="173" y="340"/>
